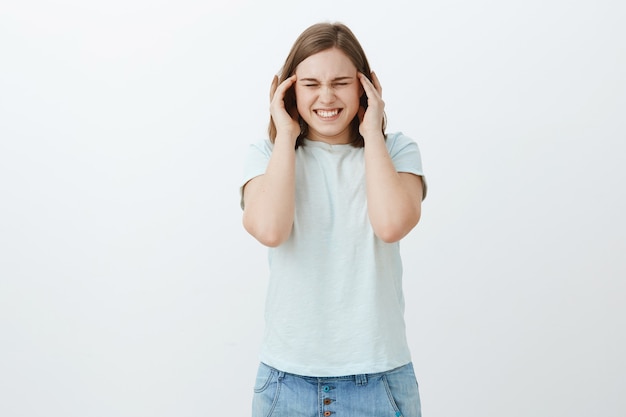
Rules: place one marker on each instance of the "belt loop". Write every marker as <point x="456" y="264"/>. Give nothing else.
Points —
<point x="360" y="379"/>
<point x="281" y="375"/>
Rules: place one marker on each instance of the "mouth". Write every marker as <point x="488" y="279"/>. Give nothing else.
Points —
<point x="328" y="114"/>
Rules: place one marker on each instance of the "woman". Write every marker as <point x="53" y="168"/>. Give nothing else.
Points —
<point x="331" y="195"/>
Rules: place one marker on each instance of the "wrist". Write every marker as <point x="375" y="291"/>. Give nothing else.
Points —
<point x="285" y="138"/>
<point x="373" y="135"/>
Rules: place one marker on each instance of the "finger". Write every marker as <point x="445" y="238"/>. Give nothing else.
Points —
<point x="273" y="87"/>
<point x="369" y="88"/>
<point x="284" y="86"/>
<point x="361" y="113"/>
<point x="376" y="82"/>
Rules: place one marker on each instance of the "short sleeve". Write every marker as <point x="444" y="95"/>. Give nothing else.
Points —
<point x="406" y="156"/>
<point x="255" y="164"/>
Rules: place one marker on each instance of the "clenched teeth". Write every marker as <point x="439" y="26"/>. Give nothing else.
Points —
<point x="328" y="113"/>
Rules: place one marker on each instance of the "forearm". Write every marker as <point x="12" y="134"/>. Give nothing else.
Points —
<point x="270" y="201"/>
<point x="392" y="204"/>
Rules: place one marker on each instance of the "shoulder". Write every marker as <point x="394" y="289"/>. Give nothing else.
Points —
<point x="395" y="139"/>
<point x="264" y="146"/>
<point x="398" y="142"/>
<point x="256" y="158"/>
<point x="404" y="153"/>
<point x="406" y="156"/>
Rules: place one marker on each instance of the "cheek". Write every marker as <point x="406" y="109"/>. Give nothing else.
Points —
<point x="301" y="97"/>
<point x="353" y="96"/>
<point x="356" y="93"/>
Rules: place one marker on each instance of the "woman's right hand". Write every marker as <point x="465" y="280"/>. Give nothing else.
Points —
<point x="286" y="122"/>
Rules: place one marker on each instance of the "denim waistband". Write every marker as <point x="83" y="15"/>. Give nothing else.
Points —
<point x="359" y="379"/>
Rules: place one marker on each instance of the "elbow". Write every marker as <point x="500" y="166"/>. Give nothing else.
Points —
<point x="271" y="240"/>
<point x="393" y="230"/>
<point x="390" y="235"/>
<point x="267" y="236"/>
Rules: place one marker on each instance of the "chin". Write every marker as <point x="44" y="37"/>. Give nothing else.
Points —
<point x="330" y="130"/>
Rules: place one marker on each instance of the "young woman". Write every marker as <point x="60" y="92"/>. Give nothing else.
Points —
<point x="331" y="195"/>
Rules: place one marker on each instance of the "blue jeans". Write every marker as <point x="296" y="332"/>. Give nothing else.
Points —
<point x="393" y="393"/>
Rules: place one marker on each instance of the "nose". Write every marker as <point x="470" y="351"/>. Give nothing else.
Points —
<point x="327" y="94"/>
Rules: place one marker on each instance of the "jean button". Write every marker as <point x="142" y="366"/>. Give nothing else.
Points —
<point x="327" y="413"/>
<point x="326" y="388"/>
<point x="327" y="401"/>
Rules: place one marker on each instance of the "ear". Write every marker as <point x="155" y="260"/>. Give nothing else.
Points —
<point x="363" y="98"/>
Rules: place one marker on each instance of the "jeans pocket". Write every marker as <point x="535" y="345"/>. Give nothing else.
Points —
<point x="266" y="391"/>
<point x="403" y="391"/>
<point x="263" y="378"/>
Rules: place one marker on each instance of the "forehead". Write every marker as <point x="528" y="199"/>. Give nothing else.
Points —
<point x="326" y="65"/>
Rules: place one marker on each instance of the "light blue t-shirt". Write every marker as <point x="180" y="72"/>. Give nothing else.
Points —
<point x="334" y="304"/>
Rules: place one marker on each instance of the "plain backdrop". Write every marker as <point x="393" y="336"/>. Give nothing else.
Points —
<point x="128" y="287"/>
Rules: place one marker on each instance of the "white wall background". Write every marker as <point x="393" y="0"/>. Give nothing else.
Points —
<point x="129" y="288"/>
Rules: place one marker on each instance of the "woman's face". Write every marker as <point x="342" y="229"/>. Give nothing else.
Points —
<point x="327" y="95"/>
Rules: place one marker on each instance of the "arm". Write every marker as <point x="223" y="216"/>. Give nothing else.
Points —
<point x="269" y="199"/>
<point x="394" y="199"/>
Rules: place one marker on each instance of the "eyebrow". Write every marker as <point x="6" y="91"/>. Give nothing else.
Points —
<point x="333" y="80"/>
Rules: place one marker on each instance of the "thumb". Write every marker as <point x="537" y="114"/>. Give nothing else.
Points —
<point x="361" y="113"/>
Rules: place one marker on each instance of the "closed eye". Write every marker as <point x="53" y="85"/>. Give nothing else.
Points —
<point x="310" y="82"/>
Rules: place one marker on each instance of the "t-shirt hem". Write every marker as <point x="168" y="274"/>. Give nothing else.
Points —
<point x="334" y="372"/>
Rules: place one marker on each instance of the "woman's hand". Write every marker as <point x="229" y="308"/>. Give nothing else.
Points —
<point x="372" y="118"/>
<point x="286" y="123"/>
<point x="269" y="199"/>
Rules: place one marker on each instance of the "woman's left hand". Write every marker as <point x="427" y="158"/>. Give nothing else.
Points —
<point x="372" y="118"/>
